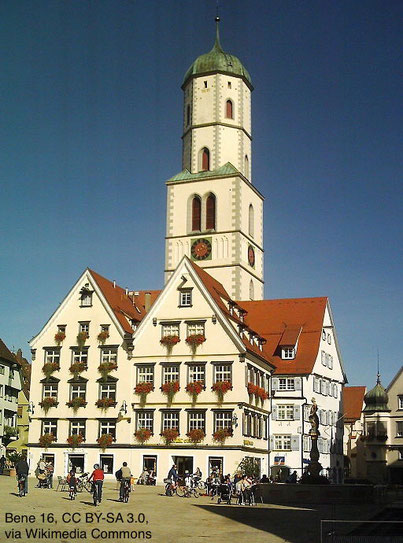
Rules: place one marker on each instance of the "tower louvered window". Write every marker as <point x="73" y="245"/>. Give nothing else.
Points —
<point x="196" y="213"/>
<point x="210" y="212"/>
<point x="205" y="166"/>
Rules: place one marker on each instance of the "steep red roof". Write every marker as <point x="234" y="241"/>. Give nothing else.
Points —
<point x="131" y="305"/>
<point x="6" y="354"/>
<point x="353" y="400"/>
<point x="272" y="318"/>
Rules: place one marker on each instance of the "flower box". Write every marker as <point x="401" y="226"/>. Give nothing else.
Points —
<point x="252" y="389"/>
<point x="169" y="340"/>
<point x="142" y="435"/>
<point x="48" y="402"/>
<point x="104" y="403"/>
<point x="49" y="367"/>
<point x="77" y="402"/>
<point x="194" y="389"/>
<point x="194" y="340"/>
<point x="257" y="391"/>
<point x="106" y="367"/>
<point x="196" y="435"/>
<point x="59" y="337"/>
<point x="169" y="435"/>
<point x="77" y="367"/>
<point x="82" y="338"/>
<point x="75" y="440"/>
<point x="103" y="336"/>
<point x="143" y="388"/>
<point x="46" y="440"/>
<point x="221" y="388"/>
<point x="221" y="435"/>
<point x="105" y="440"/>
<point x="170" y="389"/>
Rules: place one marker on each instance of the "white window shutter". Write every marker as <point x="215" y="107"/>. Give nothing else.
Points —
<point x="295" y="443"/>
<point x="274" y="413"/>
<point x="274" y="383"/>
<point x="297" y="383"/>
<point x="297" y="412"/>
<point x="271" y="443"/>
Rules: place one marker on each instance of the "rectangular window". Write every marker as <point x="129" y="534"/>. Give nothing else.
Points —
<point x="107" y="390"/>
<point x="1" y="391"/>
<point x="49" y="427"/>
<point x="80" y="355"/>
<point x="170" y="419"/>
<point x="222" y="372"/>
<point x="52" y="356"/>
<point x="145" y="374"/>
<point x="86" y="299"/>
<point x="197" y="420"/>
<point x="195" y="328"/>
<point x="399" y="428"/>
<point x="84" y="327"/>
<point x="323" y="358"/>
<point x="109" y="355"/>
<point x="2" y="370"/>
<point x="286" y="384"/>
<point x="170" y="373"/>
<point x="222" y="419"/>
<point x="78" y="390"/>
<point x="285" y="412"/>
<point x="197" y="373"/>
<point x="282" y="442"/>
<point x="185" y="298"/>
<point x="106" y="463"/>
<point x="145" y="419"/>
<point x="330" y="362"/>
<point x="49" y="390"/>
<point x="288" y="353"/>
<point x="400" y="402"/>
<point x="307" y="443"/>
<point x="77" y="426"/>
<point x="170" y="329"/>
<point x="107" y="427"/>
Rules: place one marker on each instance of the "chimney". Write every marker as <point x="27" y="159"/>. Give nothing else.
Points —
<point x="147" y="301"/>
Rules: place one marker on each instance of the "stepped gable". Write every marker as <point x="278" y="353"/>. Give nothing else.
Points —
<point x="124" y="305"/>
<point x="353" y="402"/>
<point x="298" y="318"/>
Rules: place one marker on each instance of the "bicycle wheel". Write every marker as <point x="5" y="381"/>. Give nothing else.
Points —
<point x="181" y="491"/>
<point x="195" y="492"/>
<point x="201" y="485"/>
<point x="87" y="486"/>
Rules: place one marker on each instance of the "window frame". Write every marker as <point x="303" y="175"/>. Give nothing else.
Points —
<point x="109" y="425"/>
<point x="80" y="429"/>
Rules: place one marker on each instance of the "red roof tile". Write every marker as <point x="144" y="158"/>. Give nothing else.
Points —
<point x="6" y="354"/>
<point x="353" y="400"/>
<point x="124" y="305"/>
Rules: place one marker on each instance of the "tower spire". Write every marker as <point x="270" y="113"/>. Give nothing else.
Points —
<point x="217" y="44"/>
<point x="378" y="375"/>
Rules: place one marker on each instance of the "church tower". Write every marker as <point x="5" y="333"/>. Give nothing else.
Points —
<point x="214" y="213"/>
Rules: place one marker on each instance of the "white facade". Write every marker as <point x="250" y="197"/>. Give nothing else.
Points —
<point x="10" y="386"/>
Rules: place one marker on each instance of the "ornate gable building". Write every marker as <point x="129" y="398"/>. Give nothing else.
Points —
<point x="184" y="374"/>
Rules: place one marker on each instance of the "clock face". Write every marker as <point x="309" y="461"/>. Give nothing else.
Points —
<point x="201" y="249"/>
<point x="251" y="256"/>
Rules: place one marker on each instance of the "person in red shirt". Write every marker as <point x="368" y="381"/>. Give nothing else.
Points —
<point x="97" y="476"/>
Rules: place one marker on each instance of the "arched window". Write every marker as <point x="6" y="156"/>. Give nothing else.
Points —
<point x="246" y="167"/>
<point x="188" y="115"/>
<point x="251" y="290"/>
<point x="205" y="159"/>
<point x="229" y="110"/>
<point x="210" y="212"/>
<point x="196" y="213"/>
<point x="251" y="225"/>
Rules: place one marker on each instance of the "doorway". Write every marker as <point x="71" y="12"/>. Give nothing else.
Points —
<point x="150" y="464"/>
<point x="76" y="461"/>
<point x="183" y="463"/>
<point x="215" y="463"/>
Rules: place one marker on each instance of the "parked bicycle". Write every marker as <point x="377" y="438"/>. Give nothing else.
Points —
<point x="125" y="490"/>
<point x="83" y="483"/>
<point x="21" y="485"/>
<point x="184" y="491"/>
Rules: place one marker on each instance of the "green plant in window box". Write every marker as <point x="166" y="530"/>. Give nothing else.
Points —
<point x="104" y="441"/>
<point x="221" y="435"/>
<point x="221" y="388"/>
<point x="48" y="402"/>
<point x="103" y="336"/>
<point x="142" y="389"/>
<point x="75" y="440"/>
<point x="194" y="389"/>
<point x="169" y="435"/>
<point x="196" y="435"/>
<point x="104" y="403"/>
<point x="48" y="368"/>
<point x="77" y="402"/>
<point x="60" y="337"/>
<point x="142" y="435"/>
<point x="77" y="367"/>
<point x="105" y="368"/>
<point x="46" y="440"/>
<point x="81" y="339"/>
<point x="194" y="340"/>
<point x="170" y="389"/>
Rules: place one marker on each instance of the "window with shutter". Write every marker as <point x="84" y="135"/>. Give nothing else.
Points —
<point x="295" y="443"/>
<point x="196" y="213"/>
<point x="297" y="383"/>
<point x="274" y="412"/>
<point x="297" y="412"/>
<point x="210" y="212"/>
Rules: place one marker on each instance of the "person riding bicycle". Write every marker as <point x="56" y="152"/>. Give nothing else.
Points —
<point x="97" y="477"/>
<point x="173" y="475"/>
<point x="22" y="470"/>
<point x="125" y="479"/>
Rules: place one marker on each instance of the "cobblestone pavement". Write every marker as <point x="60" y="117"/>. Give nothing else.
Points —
<point x="150" y="515"/>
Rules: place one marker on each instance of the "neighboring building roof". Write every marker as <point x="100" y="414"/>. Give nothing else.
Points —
<point x="6" y="354"/>
<point x="353" y="402"/>
<point x="217" y="60"/>
<point x="395" y="378"/>
<point x="271" y="318"/>
<point x="130" y="305"/>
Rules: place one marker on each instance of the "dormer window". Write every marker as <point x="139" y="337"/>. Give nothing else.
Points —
<point x="185" y="297"/>
<point x="288" y="353"/>
<point x="85" y="297"/>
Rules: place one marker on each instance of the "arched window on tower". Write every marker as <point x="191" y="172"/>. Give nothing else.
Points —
<point x="205" y="159"/>
<point x="188" y="115"/>
<point x="196" y="214"/>
<point x="251" y="221"/>
<point x="251" y="290"/>
<point x="246" y="167"/>
<point x="210" y="212"/>
<point x="229" y="109"/>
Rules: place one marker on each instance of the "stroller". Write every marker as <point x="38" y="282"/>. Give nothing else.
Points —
<point x="224" y="493"/>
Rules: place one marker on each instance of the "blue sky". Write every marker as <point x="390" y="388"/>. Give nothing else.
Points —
<point x="91" y="111"/>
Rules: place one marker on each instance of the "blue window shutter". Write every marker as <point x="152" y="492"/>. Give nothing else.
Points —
<point x="297" y="383"/>
<point x="274" y="383"/>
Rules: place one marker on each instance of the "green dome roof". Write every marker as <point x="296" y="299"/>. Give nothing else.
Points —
<point x="217" y="61"/>
<point x="376" y="399"/>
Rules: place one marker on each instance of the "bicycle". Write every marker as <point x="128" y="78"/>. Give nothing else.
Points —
<point x="169" y="487"/>
<point x="184" y="491"/>
<point x="83" y="483"/>
<point x="126" y="490"/>
<point x="72" y="492"/>
<point x="21" y="486"/>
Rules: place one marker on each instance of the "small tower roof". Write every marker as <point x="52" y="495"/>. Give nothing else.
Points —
<point x="217" y="61"/>
<point x="376" y="399"/>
